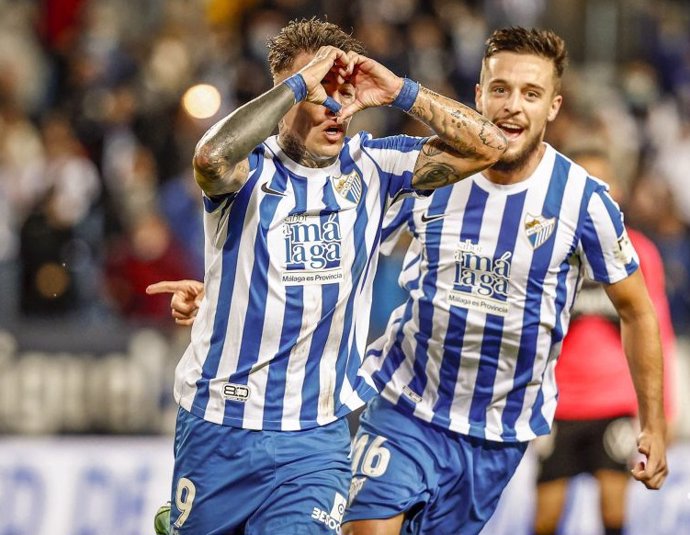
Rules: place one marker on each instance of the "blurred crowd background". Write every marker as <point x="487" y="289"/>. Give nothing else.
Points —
<point x="102" y="102"/>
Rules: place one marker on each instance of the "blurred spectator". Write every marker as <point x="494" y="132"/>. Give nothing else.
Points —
<point x="61" y="237"/>
<point x="147" y="253"/>
<point x="673" y="163"/>
<point x="180" y="203"/>
<point x="19" y="143"/>
<point x="653" y="208"/>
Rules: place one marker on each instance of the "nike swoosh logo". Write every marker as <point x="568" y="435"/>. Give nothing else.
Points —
<point x="428" y="218"/>
<point x="271" y="191"/>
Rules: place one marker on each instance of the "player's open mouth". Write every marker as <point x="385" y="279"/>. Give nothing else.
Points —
<point x="511" y="131"/>
<point x="334" y="133"/>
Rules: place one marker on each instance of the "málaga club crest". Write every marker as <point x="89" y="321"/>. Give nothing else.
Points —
<point x="349" y="186"/>
<point x="538" y="229"/>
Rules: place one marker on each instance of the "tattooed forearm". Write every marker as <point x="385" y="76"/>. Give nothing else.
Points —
<point x="230" y="140"/>
<point x="435" y="146"/>
<point x="463" y="129"/>
<point x="465" y="143"/>
<point x="435" y="175"/>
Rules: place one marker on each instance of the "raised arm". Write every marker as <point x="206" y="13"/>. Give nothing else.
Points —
<point x="220" y="159"/>
<point x="640" y="335"/>
<point x="465" y="141"/>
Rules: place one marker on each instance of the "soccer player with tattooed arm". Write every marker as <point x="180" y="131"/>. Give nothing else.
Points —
<point x="465" y="370"/>
<point x="292" y="231"/>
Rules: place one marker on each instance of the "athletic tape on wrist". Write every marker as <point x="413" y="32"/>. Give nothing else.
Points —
<point x="332" y="105"/>
<point x="407" y="95"/>
<point x="298" y="85"/>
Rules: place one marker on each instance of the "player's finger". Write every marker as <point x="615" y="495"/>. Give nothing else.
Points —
<point x="341" y="56"/>
<point x="652" y="478"/>
<point x="638" y="471"/>
<point x="189" y="321"/>
<point x="164" y="287"/>
<point x="183" y="307"/>
<point x="180" y="315"/>
<point x="656" y="482"/>
<point x="348" y="111"/>
<point x="331" y="55"/>
<point x="352" y="60"/>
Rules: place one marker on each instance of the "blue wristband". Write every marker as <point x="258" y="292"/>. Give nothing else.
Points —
<point x="407" y="95"/>
<point x="298" y="85"/>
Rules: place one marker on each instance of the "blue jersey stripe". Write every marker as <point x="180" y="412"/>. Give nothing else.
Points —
<point x="329" y="298"/>
<point x="433" y="231"/>
<point x="299" y="188"/>
<point x="537" y="422"/>
<point x="348" y="165"/>
<point x="493" y="328"/>
<point x="231" y="249"/>
<point x="398" y="184"/>
<point x="595" y="255"/>
<point x="454" y="339"/>
<point x="277" y="373"/>
<point x="396" y="356"/>
<point x="612" y="209"/>
<point x="535" y="284"/>
<point x="400" y="218"/>
<point x="358" y="266"/>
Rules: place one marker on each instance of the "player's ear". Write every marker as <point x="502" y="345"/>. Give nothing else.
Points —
<point x="555" y="107"/>
<point x="478" y="98"/>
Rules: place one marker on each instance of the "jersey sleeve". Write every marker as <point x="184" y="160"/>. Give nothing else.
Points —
<point x="606" y="250"/>
<point x="396" y="220"/>
<point x="396" y="156"/>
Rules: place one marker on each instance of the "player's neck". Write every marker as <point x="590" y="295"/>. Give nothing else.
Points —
<point x="297" y="151"/>
<point x="512" y="173"/>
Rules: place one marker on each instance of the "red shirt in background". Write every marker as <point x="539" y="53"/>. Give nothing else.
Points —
<point x="592" y="372"/>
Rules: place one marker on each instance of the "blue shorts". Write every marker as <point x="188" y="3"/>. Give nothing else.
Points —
<point x="444" y="482"/>
<point x="231" y="481"/>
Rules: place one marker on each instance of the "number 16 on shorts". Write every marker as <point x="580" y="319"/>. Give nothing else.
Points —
<point x="370" y="458"/>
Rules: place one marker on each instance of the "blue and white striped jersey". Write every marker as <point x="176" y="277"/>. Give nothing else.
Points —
<point x="492" y="274"/>
<point x="279" y="338"/>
